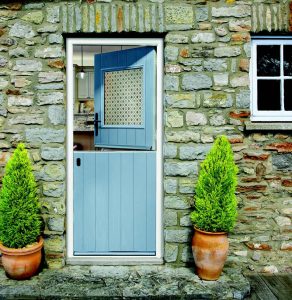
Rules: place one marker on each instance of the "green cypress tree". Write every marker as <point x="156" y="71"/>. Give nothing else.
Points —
<point x="215" y="201"/>
<point x="20" y="223"/>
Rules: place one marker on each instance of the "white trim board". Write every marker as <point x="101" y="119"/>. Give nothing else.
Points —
<point x="267" y="116"/>
<point x="110" y="260"/>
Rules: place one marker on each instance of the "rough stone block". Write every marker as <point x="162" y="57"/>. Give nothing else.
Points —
<point x="18" y="52"/>
<point x="187" y="255"/>
<point x="170" y="252"/>
<point x="217" y="120"/>
<point x="194" y="118"/>
<point x="243" y="99"/>
<point x="3" y="61"/>
<point x="283" y="221"/>
<point x="48" y="28"/>
<point x="52" y="153"/>
<point x="286" y="246"/>
<point x="192" y="82"/>
<point x="170" y="217"/>
<point x="183" y="100"/>
<point x="227" y="51"/>
<point x="202" y="13"/>
<point x="203" y="37"/>
<point x="6" y="15"/>
<point x="187" y="185"/>
<point x="3" y="83"/>
<point x="180" y="168"/>
<point x="183" y="136"/>
<point x="171" y="83"/>
<point x="34" y="5"/>
<point x="170" y="185"/>
<point x="242" y="25"/>
<point x="237" y="11"/>
<point x="270" y="269"/>
<point x="177" y="38"/>
<point x="3" y="112"/>
<point x="174" y="119"/>
<point x="35" y="17"/>
<point x="47" y="77"/>
<point x="178" y="235"/>
<point x="178" y="16"/>
<point x="4" y="145"/>
<point x="193" y="151"/>
<point x="217" y="100"/>
<point x="55" y="244"/>
<point x="221" y="31"/>
<point x="49" y="52"/>
<point x="171" y="53"/>
<point x="170" y="150"/>
<point x="215" y="64"/>
<point x="22" y="30"/>
<point x="185" y="221"/>
<point x="19" y="100"/>
<point x="45" y="135"/>
<point x="49" y="86"/>
<point x="53" y="14"/>
<point x="282" y="161"/>
<point x="55" y="38"/>
<point x="221" y="79"/>
<point x="53" y="189"/>
<point x="26" y="119"/>
<point x="171" y="68"/>
<point x="239" y="80"/>
<point x="27" y="65"/>
<point x="52" y="172"/>
<point x="56" y="224"/>
<point x="244" y="65"/>
<point x="247" y="49"/>
<point x="176" y="202"/>
<point x="50" y="98"/>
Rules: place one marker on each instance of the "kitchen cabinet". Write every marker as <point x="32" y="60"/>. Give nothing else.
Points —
<point x="85" y="87"/>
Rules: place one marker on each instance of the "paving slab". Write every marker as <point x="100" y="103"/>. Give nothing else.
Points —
<point x="124" y="282"/>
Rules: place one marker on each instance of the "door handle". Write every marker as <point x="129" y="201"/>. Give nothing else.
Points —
<point x="96" y="121"/>
<point x="78" y="162"/>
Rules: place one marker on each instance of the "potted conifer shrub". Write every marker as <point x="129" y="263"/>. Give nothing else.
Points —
<point x="20" y="222"/>
<point x="215" y="209"/>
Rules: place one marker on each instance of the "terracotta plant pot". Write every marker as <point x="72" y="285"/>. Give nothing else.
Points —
<point x="210" y="253"/>
<point x="22" y="263"/>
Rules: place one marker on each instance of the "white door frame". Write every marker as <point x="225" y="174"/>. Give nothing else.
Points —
<point x="113" y="260"/>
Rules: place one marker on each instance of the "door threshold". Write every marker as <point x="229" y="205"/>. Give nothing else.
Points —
<point x="115" y="253"/>
<point x="114" y="260"/>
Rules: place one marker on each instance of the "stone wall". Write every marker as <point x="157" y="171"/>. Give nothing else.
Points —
<point x="207" y="52"/>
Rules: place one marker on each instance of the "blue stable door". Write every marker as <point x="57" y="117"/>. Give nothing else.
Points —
<point x="115" y="185"/>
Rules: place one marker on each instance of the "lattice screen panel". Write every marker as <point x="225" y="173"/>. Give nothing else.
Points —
<point x="123" y="97"/>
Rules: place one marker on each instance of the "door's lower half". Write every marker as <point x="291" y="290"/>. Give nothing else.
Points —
<point x="114" y="203"/>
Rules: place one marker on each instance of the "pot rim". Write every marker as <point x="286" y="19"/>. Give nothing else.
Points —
<point x="209" y="232"/>
<point x="22" y="251"/>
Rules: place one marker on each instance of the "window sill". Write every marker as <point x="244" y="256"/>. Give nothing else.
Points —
<point x="268" y="126"/>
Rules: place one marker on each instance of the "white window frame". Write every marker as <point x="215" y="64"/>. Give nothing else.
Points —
<point x="268" y="116"/>
<point x="115" y="260"/>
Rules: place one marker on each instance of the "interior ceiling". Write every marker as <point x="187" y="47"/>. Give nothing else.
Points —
<point x="90" y="50"/>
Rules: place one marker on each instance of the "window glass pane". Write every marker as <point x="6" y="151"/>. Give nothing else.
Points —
<point x="268" y="60"/>
<point x="288" y="95"/>
<point x="123" y="97"/>
<point x="288" y="60"/>
<point x="269" y="95"/>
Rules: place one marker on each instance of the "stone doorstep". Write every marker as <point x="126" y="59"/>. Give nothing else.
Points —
<point x="124" y="282"/>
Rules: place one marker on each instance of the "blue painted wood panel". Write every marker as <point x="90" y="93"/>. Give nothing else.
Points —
<point x="127" y="136"/>
<point x="115" y="203"/>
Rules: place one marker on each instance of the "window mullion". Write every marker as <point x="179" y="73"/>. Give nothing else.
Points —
<point x="282" y="76"/>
